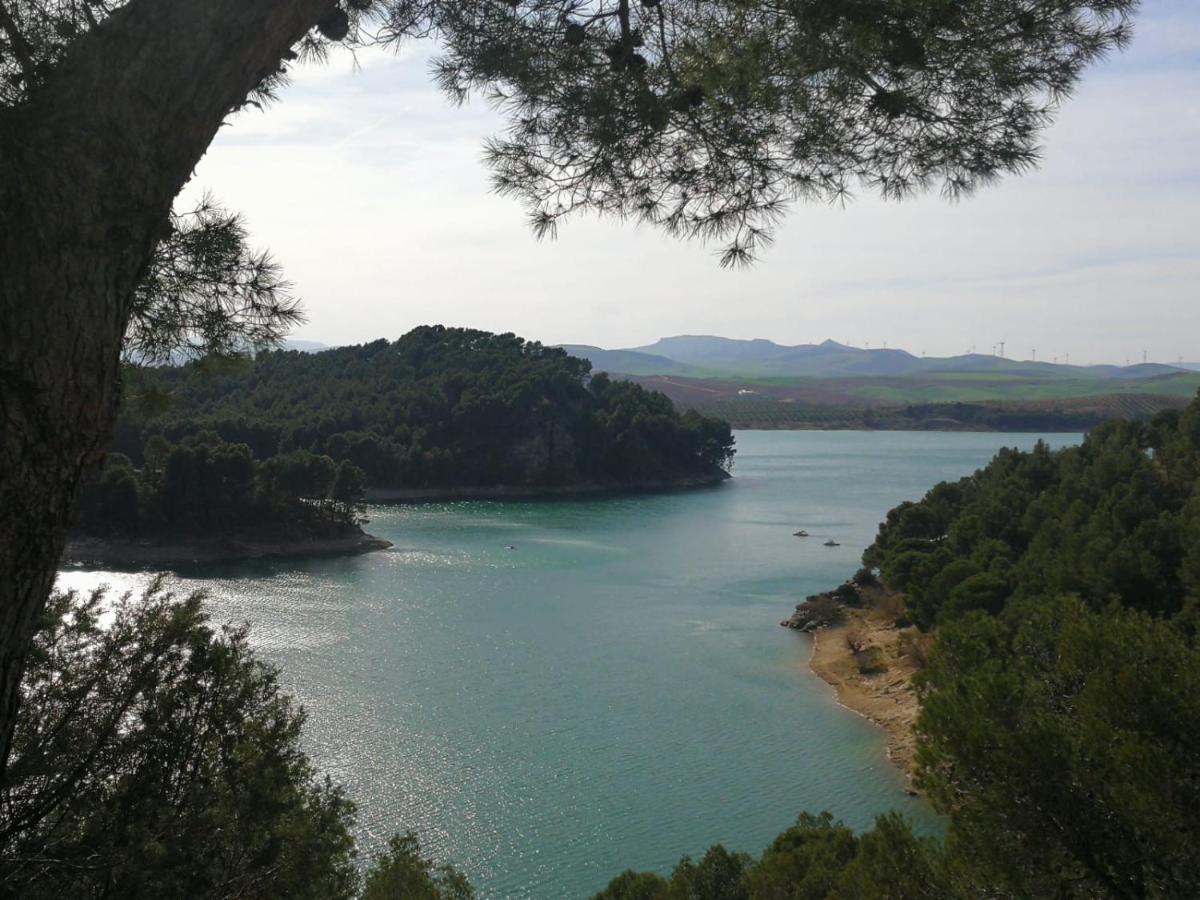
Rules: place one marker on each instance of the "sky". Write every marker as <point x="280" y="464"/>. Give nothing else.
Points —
<point x="367" y="184"/>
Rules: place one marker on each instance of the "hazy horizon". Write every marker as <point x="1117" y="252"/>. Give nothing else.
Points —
<point x="313" y="343"/>
<point x="368" y="187"/>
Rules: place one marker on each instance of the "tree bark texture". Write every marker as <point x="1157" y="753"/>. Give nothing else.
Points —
<point x="89" y="168"/>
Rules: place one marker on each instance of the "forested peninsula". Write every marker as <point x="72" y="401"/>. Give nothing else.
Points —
<point x="279" y="453"/>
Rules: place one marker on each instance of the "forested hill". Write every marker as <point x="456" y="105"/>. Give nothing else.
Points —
<point x="441" y="407"/>
<point x="1116" y="519"/>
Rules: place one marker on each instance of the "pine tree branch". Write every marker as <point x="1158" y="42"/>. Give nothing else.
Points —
<point x="21" y="48"/>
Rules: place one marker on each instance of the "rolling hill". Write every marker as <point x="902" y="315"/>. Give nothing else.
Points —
<point x="627" y="361"/>
<point x="759" y="383"/>
<point x="710" y="356"/>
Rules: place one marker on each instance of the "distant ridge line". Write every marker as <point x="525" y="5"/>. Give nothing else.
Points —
<point x="703" y="356"/>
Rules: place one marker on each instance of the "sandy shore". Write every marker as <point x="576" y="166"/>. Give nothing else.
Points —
<point x="148" y="553"/>
<point x="886" y="698"/>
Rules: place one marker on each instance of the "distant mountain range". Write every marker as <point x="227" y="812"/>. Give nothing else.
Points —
<point x="706" y="356"/>
<point x="762" y="384"/>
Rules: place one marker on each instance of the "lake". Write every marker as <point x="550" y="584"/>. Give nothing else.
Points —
<point x="551" y="692"/>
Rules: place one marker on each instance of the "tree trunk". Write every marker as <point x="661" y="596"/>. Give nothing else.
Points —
<point x="89" y="167"/>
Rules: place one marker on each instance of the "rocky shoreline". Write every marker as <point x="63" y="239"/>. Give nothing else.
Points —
<point x="868" y="661"/>
<point x="817" y="611"/>
<point x="153" y="552"/>
<point x="885" y="696"/>
<point x="536" y="492"/>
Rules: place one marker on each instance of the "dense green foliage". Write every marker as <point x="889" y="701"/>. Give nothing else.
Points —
<point x="402" y="873"/>
<point x="815" y="859"/>
<point x="1063" y="743"/>
<point x="1113" y="519"/>
<point x="442" y="407"/>
<point x="155" y="757"/>
<point x="203" y="484"/>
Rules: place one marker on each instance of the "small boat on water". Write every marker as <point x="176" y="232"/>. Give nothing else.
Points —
<point x="832" y="543"/>
<point x="800" y="533"/>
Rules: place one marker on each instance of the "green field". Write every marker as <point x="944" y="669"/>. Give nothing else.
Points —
<point x="978" y="387"/>
<point x="930" y="401"/>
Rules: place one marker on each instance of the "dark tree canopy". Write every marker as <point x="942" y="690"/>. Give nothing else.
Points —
<point x="1113" y="519"/>
<point x="204" y="486"/>
<point x="1062" y="742"/>
<point x="404" y="872"/>
<point x="818" y="858"/>
<point x="440" y="407"/>
<point x="158" y="758"/>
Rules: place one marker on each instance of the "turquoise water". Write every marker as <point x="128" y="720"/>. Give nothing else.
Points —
<point x="612" y="692"/>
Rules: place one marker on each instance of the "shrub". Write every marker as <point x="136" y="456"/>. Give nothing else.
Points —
<point x="865" y="577"/>
<point x="1062" y="742"/>
<point x="155" y="757"/>
<point x="916" y="646"/>
<point x="856" y="638"/>
<point x="847" y="593"/>
<point x="402" y="873"/>
<point x="823" y="611"/>
<point x="871" y="661"/>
